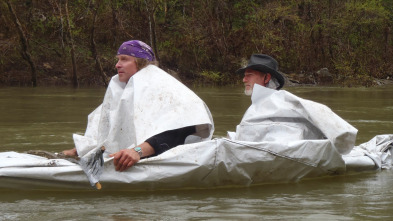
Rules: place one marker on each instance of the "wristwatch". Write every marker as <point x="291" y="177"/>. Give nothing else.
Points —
<point x="139" y="151"/>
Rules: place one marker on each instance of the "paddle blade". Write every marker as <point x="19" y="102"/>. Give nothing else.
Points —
<point x="92" y="164"/>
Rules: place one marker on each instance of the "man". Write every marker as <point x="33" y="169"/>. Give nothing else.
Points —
<point x="144" y="113"/>
<point x="279" y="116"/>
<point x="260" y="70"/>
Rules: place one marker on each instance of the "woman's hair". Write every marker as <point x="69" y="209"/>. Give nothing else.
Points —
<point x="141" y="63"/>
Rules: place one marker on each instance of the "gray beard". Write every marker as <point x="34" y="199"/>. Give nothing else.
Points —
<point x="248" y="92"/>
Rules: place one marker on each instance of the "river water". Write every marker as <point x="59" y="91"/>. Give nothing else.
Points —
<point x="45" y="118"/>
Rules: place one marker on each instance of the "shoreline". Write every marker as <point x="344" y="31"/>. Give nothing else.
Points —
<point x="23" y="79"/>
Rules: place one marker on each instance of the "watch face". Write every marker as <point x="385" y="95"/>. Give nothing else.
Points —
<point x="138" y="150"/>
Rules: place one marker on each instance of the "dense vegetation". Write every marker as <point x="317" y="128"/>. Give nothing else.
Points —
<point x="73" y="42"/>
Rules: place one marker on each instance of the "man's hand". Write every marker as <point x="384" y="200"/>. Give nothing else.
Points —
<point x="124" y="159"/>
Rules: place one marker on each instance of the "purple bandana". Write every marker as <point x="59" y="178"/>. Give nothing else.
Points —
<point x="137" y="49"/>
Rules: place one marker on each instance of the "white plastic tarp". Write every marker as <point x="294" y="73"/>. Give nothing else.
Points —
<point x="215" y="163"/>
<point x="282" y="116"/>
<point x="150" y="103"/>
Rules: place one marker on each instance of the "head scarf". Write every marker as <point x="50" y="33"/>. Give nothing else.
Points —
<point x="136" y="49"/>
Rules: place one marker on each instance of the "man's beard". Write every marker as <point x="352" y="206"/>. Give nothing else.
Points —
<point x="248" y="92"/>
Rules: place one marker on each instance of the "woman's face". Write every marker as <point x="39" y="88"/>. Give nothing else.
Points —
<point x="126" y="67"/>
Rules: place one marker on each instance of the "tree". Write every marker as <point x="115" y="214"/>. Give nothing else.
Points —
<point x="74" y="69"/>
<point x="25" y="52"/>
<point x="99" y="68"/>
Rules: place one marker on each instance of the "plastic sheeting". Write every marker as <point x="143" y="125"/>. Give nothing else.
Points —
<point x="375" y="154"/>
<point x="282" y="116"/>
<point x="215" y="163"/>
<point x="219" y="162"/>
<point x="150" y="103"/>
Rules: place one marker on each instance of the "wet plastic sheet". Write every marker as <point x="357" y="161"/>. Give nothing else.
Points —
<point x="284" y="117"/>
<point x="215" y="163"/>
<point x="375" y="154"/>
<point x="150" y="103"/>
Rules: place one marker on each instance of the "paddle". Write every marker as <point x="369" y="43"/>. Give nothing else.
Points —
<point x="92" y="164"/>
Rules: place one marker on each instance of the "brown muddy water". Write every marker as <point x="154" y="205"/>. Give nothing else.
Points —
<point x="46" y="118"/>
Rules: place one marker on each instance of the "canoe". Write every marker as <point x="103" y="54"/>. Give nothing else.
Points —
<point x="210" y="164"/>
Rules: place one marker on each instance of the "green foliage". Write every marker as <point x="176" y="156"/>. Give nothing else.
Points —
<point x="208" y="39"/>
<point x="212" y="76"/>
<point x="358" y="35"/>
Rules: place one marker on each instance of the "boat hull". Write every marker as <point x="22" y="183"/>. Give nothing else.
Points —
<point x="215" y="163"/>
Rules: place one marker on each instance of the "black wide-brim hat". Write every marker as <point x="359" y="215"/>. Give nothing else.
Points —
<point x="265" y="64"/>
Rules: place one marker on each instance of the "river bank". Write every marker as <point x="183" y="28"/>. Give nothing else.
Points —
<point x="61" y="78"/>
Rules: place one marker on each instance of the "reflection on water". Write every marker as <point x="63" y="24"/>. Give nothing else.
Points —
<point x="45" y="118"/>
<point x="360" y="197"/>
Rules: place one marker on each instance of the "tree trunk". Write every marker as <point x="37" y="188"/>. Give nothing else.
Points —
<point x="24" y="44"/>
<point x="95" y="53"/>
<point x="61" y="26"/>
<point x="154" y="37"/>
<point x="74" y="73"/>
<point x="115" y="23"/>
<point x="152" y="27"/>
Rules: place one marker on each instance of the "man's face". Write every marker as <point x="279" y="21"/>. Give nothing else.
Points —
<point x="126" y="67"/>
<point x="252" y="77"/>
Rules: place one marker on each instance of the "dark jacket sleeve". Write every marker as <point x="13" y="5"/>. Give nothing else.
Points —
<point x="169" y="139"/>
